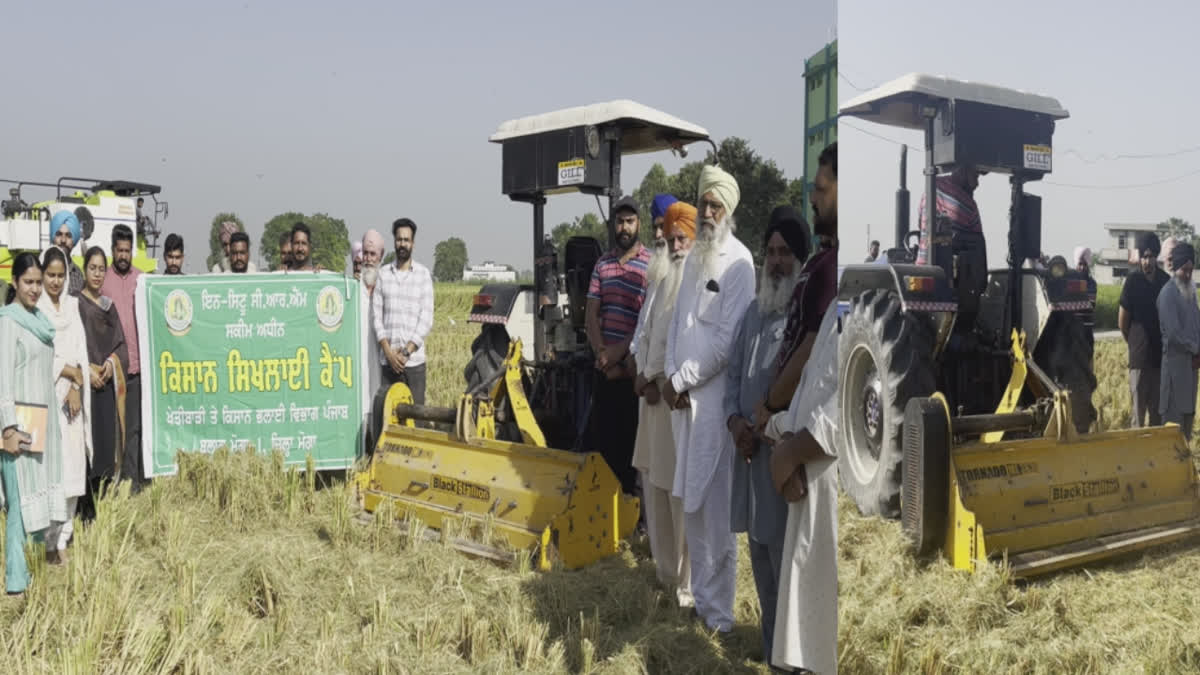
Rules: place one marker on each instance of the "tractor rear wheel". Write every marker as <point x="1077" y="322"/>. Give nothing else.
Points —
<point x="1064" y="352"/>
<point x="885" y="359"/>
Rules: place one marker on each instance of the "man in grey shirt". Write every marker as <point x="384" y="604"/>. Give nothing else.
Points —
<point x="757" y="507"/>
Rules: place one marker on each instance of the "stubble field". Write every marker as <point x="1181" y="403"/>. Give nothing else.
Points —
<point x="236" y="565"/>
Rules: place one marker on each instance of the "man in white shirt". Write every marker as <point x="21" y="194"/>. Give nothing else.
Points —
<point x="402" y="314"/>
<point x="717" y="286"/>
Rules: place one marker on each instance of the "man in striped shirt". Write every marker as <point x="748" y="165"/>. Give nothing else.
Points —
<point x="956" y="203"/>
<point x="615" y="298"/>
<point x="402" y="315"/>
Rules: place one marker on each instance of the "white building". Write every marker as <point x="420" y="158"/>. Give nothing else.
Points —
<point x="489" y="271"/>
<point x="1117" y="257"/>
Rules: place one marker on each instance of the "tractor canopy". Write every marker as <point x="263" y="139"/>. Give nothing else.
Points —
<point x="992" y="128"/>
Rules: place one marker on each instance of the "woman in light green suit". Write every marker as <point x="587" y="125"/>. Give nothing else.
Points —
<point x="33" y="491"/>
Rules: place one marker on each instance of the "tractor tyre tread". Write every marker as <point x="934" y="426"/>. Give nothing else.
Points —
<point x="901" y="345"/>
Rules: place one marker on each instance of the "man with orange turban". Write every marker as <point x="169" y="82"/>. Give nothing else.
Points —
<point x="654" y="448"/>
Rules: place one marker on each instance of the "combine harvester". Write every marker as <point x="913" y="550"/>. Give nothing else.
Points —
<point x="966" y="393"/>
<point x="100" y="205"/>
<point x="529" y="378"/>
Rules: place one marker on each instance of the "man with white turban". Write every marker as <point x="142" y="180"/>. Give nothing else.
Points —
<point x="1179" y="317"/>
<point x="225" y="233"/>
<point x="717" y="286"/>
<point x="372" y="246"/>
<point x="1083" y="264"/>
<point x="356" y="258"/>
<point x="654" y="448"/>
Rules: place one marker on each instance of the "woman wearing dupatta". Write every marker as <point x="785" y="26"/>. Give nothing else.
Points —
<point x="107" y="358"/>
<point x="72" y="388"/>
<point x="31" y="464"/>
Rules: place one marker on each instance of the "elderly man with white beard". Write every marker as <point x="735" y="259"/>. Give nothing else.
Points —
<point x="717" y="286"/>
<point x="1179" y="317"/>
<point x="660" y="260"/>
<point x="654" y="449"/>
<point x="372" y="258"/>
<point x="757" y="508"/>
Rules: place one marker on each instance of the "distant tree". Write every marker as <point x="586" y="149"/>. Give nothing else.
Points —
<point x="389" y="258"/>
<point x="761" y="182"/>
<point x="330" y="239"/>
<point x="1179" y="228"/>
<point x="587" y="225"/>
<point x="268" y="244"/>
<point x="215" y="250"/>
<point x="655" y="183"/>
<point x="449" y="259"/>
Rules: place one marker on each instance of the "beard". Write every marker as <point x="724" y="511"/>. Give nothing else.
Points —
<point x="664" y="303"/>
<point x="1186" y="286"/>
<point x="774" y="294"/>
<point x="403" y="254"/>
<point x="370" y="274"/>
<point x="122" y="265"/>
<point x="660" y="261"/>
<point x="626" y="240"/>
<point x="709" y="239"/>
<point x="172" y="269"/>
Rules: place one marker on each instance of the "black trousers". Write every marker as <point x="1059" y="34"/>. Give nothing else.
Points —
<point x="132" y="466"/>
<point x="613" y="427"/>
<point x="413" y="376"/>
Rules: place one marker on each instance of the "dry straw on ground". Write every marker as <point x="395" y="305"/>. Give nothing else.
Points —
<point x="236" y="565"/>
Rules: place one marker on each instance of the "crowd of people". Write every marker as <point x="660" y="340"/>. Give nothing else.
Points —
<point x="70" y="408"/>
<point x="729" y="375"/>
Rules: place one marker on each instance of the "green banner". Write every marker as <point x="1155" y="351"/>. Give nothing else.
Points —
<point x="272" y="361"/>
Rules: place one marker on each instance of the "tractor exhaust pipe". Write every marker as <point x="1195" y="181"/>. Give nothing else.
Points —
<point x="902" y="214"/>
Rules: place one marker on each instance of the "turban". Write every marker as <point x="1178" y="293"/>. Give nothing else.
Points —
<point x="1148" y="241"/>
<point x="1165" y="255"/>
<point x="227" y="229"/>
<point x="1182" y="255"/>
<point x="680" y="217"/>
<point x="716" y="180"/>
<point x="1083" y="255"/>
<point x="373" y="240"/>
<point x="791" y="226"/>
<point x="658" y="207"/>
<point x="356" y="250"/>
<point x="65" y="218"/>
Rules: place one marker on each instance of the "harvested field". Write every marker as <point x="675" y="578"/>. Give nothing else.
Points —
<point x="236" y="565"/>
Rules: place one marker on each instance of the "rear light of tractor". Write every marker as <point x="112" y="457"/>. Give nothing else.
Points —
<point x="1076" y="286"/>
<point x="919" y="284"/>
<point x="482" y="300"/>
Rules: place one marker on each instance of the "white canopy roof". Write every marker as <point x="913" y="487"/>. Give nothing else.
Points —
<point x="898" y="103"/>
<point x="601" y="113"/>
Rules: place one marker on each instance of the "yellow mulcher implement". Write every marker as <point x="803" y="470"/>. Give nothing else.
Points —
<point x="531" y="371"/>
<point x="535" y="497"/>
<point x="930" y="343"/>
<point x="1062" y="500"/>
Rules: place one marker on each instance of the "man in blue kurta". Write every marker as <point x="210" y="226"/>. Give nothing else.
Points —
<point x="757" y="508"/>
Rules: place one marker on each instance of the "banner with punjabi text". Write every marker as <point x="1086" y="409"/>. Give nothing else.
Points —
<point x="271" y="361"/>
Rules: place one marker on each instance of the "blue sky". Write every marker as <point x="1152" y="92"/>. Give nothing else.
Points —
<point x="374" y="110"/>
<point x="1126" y="73"/>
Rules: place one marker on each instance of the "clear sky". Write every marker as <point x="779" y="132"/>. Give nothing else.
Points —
<point x="374" y="110"/>
<point x="1125" y="72"/>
